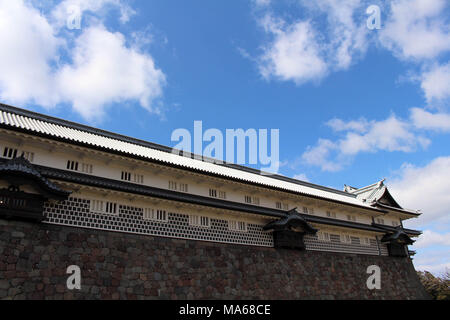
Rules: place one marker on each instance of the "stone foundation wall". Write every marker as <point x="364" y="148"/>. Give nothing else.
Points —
<point x="34" y="259"/>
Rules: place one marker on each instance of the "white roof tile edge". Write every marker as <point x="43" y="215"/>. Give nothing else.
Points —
<point x="88" y="138"/>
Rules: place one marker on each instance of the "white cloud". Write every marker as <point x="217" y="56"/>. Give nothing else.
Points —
<point x="438" y="263"/>
<point x="361" y="135"/>
<point x="430" y="238"/>
<point x="300" y="53"/>
<point x="338" y="125"/>
<point x="330" y="35"/>
<point x="346" y="38"/>
<point x="434" y="259"/>
<point x="26" y="54"/>
<point x="104" y="71"/>
<point x="431" y="121"/>
<point x="426" y="188"/>
<point x="391" y="134"/>
<point x="61" y="12"/>
<point x="419" y="30"/>
<point x="436" y="82"/>
<point x="294" y="54"/>
<point x="99" y="70"/>
<point x="262" y="3"/>
<point x="319" y="155"/>
<point x="416" y="29"/>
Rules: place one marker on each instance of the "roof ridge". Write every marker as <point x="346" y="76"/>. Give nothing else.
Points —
<point x="362" y="189"/>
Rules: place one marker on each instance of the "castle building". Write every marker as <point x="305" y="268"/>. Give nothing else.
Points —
<point x="59" y="172"/>
<point x="56" y="172"/>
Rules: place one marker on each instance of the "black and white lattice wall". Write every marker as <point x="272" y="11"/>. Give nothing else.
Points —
<point x="77" y="213"/>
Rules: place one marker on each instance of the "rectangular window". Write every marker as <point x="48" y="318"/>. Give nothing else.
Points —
<point x="351" y="218"/>
<point x="99" y="206"/>
<point x="380" y="221"/>
<point x="161" y="215"/>
<point x="86" y="168"/>
<point x="251" y="200"/>
<point x="184" y="187"/>
<point x="346" y="238"/>
<point x="282" y="206"/>
<point x="28" y="155"/>
<point x="194" y="220"/>
<point x="148" y="214"/>
<point x="305" y="210"/>
<point x="325" y="236"/>
<point x="204" y="221"/>
<point x="331" y="214"/>
<point x="72" y="165"/>
<point x="10" y="153"/>
<point x="173" y="185"/>
<point x="335" y="238"/>
<point x="138" y="178"/>
<point x="213" y="193"/>
<point x="199" y="221"/>
<point x="355" y="240"/>
<point x="366" y="241"/>
<point x="111" y="208"/>
<point x="237" y="226"/>
<point x="126" y="176"/>
<point x="155" y="215"/>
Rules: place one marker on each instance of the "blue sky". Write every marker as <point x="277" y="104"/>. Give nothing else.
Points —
<point x="353" y="105"/>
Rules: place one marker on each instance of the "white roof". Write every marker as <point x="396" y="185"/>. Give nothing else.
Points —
<point x="369" y="193"/>
<point x="36" y="123"/>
